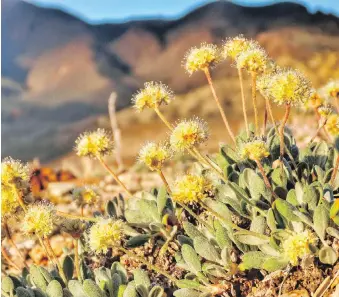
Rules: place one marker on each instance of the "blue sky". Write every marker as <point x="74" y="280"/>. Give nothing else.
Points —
<point x="100" y="10"/>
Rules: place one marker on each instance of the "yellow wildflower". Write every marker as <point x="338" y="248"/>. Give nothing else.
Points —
<point x="191" y="188"/>
<point x="152" y="95"/>
<point x="189" y="133"/>
<point x="94" y="144"/>
<point x="255" y="150"/>
<point x="253" y="60"/>
<point x="235" y="46"/>
<point x="39" y="219"/>
<point x="86" y="195"/>
<point x="314" y="101"/>
<point x="331" y="89"/>
<point x="297" y="246"/>
<point x="286" y="87"/>
<point x="325" y="111"/>
<point x="9" y="199"/>
<point x="154" y="155"/>
<point x="105" y="234"/>
<point x="13" y="172"/>
<point x="200" y="58"/>
<point x="332" y="124"/>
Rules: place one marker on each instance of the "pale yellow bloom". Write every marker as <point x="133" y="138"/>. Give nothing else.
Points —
<point x="254" y="150"/>
<point x="253" y="60"/>
<point x="152" y="95"/>
<point x="191" y="188"/>
<point x="314" y="101"/>
<point x="286" y="87"/>
<point x="200" y="58"/>
<point x="94" y="144"/>
<point x="325" y="111"/>
<point x="9" y="199"/>
<point x="188" y="134"/>
<point x="332" y="124"/>
<point x="154" y="155"/>
<point x="331" y="89"/>
<point x="39" y="219"/>
<point x="235" y="46"/>
<point x="105" y="234"/>
<point x="297" y="246"/>
<point x="13" y="172"/>
<point x="86" y="195"/>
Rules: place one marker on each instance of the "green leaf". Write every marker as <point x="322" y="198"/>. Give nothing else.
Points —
<point x="161" y="199"/>
<point x="92" y="289"/>
<point x="191" y="230"/>
<point x="7" y="284"/>
<point x="22" y="292"/>
<point x="333" y="232"/>
<point x="256" y="185"/>
<point x="274" y="264"/>
<point x="321" y="220"/>
<point x="119" y="269"/>
<point x="310" y="196"/>
<point x="220" y="208"/>
<point x="76" y="288"/>
<point x="252" y="260"/>
<point x="250" y="239"/>
<point x="191" y="258"/>
<point x="68" y="267"/>
<point x="187" y="293"/>
<point x="292" y="197"/>
<point x="205" y="249"/>
<point x="138" y="240"/>
<point x="258" y="224"/>
<point x="186" y="283"/>
<point x="141" y="278"/>
<point x="38" y="278"/>
<point x="156" y="291"/>
<point x="328" y="255"/>
<point x="54" y="289"/>
<point x="221" y="236"/>
<point x="270" y="220"/>
<point x="287" y="210"/>
<point x="130" y="290"/>
<point x="279" y="177"/>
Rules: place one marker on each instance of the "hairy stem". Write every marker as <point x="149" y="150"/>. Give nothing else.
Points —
<point x="163" y="178"/>
<point x="335" y="170"/>
<point x="270" y="112"/>
<point x="266" y="181"/>
<point x="223" y="115"/>
<point x="55" y="258"/>
<point x="282" y="129"/>
<point x="149" y="265"/>
<point x="163" y="118"/>
<point x="111" y="172"/>
<point x="75" y="217"/>
<point x="321" y="126"/>
<point x="77" y="258"/>
<point x="243" y="100"/>
<point x="8" y="258"/>
<point x="254" y="100"/>
<point x="11" y="241"/>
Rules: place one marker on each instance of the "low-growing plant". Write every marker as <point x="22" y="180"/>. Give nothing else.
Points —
<point x="261" y="202"/>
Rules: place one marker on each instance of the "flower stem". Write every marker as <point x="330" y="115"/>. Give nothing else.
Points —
<point x="8" y="258"/>
<point x="11" y="241"/>
<point x="243" y="100"/>
<point x="282" y="129"/>
<point x="61" y="271"/>
<point x="318" y="130"/>
<point x="163" y="118"/>
<point x="103" y="163"/>
<point x="77" y="259"/>
<point x="75" y="217"/>
<point x="254" y="99"/>
<point x="335" y="170"/>
<point x="265" y="120"/>
<point x="223" y="115"/>
<point x="163" y="178"/>
<point x="270" y="112"/>
<point x="148" y="264"/>
<point x="46" y="251"/>
<point x="266" y="181"/>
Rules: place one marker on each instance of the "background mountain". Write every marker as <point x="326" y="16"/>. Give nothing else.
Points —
<point x="58" y="71"/>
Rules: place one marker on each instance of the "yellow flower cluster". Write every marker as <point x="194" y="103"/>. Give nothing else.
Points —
<point x="152" y="95"/>
<point x="13" y="172"/>
<point x="332" y="124"/>
<point x="314" y="101"/>
<point x="253" y="60"/>
<point x="254" y="150"/>
<point x="286" y="87"/>
<point x="297" y="246"/>
<point x="154" y="155"/>
<point x="39" y="219"/>
<point x="331" y="89"/>
<point x="191" y="188"/>
<point x="201" y="58"/>
<point x="94" y="144"/>
<point x="86" y="195"/>
<point x="325" y="111"/>
<point x="9" y="199"/>
<point x="105" y="234"/>
<point x="235" y="46"/>
<point x="188" y="134"/>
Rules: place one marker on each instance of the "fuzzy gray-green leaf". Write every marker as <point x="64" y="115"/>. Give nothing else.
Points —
<point x="206" y="250"/>
<point x="328" y="255"/>
<point x="92" y="289"/>
<point x="191" y="258"/>
<point x="141" y="278"/>
<point x="321" y="219"/>
<point x="54" y="289"/>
